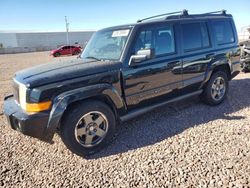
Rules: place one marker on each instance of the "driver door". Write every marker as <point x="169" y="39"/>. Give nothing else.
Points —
<point x="66" y="50"/>
<point x="156" y="79"/>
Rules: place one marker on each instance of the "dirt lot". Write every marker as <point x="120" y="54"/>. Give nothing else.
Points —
<point x="185" y="144"/>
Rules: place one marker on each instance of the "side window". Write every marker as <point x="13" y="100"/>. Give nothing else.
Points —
<point x="223" y="32"/>
<point x="144" y="41"/>
<point x="195" y="36"/>
<point x="164" y="41"/>
<point x="204" y="35"/>
<point x="66" y="47"/>
<point x="160" y="39"/>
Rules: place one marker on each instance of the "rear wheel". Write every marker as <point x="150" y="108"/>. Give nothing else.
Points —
<point x="88" y="127"/>
<point x="216" y="89"/>
<point x="75" y="52"/>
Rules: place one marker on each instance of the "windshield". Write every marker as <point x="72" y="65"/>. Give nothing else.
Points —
<point x="106" y="45"/>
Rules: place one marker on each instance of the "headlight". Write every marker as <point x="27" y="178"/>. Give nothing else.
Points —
<point x="22" y="95"/>
<point x="31" y="107"/>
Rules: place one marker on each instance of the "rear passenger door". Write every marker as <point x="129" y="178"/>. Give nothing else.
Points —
<point x="197" y="53"/>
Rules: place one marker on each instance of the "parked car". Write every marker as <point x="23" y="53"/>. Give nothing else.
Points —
<point x="245" y="56"/>
<point x="66" y="50"/>
<point x="123" y="72"/>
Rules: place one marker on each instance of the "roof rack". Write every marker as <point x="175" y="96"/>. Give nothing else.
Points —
<point x="223" y="12"/>
<point x="182" y="13"/>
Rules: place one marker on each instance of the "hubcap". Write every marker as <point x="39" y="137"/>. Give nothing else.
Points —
<point x="218" y="88"/>
<point x="91" y="129"/>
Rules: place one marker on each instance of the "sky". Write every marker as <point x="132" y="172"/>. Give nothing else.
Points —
<point x="49" y="15"/>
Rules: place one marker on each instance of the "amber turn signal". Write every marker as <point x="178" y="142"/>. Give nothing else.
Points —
<point x="38" y="107"/>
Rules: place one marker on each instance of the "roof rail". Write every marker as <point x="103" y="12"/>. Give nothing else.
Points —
<point x="223" y="12"/>
<point x="183" y="12"/>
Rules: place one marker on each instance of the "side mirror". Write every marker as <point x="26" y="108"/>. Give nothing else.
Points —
<point x="142" y="55"/>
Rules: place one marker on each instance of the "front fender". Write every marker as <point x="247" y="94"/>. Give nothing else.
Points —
<point x="62" y="101"/>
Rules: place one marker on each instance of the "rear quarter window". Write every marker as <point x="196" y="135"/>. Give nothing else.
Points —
<point x="223" y="32"/>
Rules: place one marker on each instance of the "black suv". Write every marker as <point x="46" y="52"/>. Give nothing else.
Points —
<point x="123" y="72"/>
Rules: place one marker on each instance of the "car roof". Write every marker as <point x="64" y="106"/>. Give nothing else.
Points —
<point x="67" y="46"/>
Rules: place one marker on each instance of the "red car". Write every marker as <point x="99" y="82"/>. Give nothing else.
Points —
<point x="66" y="50"/>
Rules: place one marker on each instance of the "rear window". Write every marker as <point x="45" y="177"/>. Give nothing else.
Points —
<point x="223" y="32"/>
<point x="195" y="36"/>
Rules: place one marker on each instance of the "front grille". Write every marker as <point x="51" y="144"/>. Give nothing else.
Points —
<point x="16" y="91"/>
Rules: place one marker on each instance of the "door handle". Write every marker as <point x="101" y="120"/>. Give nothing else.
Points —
<point x="210" y="56"/>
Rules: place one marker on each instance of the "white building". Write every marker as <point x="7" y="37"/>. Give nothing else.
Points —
<point x="14" y="42"/>
<point x="244" y="34"/>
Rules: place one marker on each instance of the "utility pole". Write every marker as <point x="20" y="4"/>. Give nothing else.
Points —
<point x="67" y="29"/>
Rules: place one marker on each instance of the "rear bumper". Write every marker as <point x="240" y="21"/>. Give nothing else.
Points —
<point x="235" y="69"/>
<point x="33" y="125"/>
<point x="245" y="61"/>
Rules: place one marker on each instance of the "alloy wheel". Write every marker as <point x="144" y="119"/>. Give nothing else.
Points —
<point x="218" y="88"/>
<point x="91" y="129"/>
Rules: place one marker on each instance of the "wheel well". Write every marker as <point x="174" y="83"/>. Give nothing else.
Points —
<point x="224" y="68"/>
<point x="105" y="99"/>
<point x="102" y="98"/>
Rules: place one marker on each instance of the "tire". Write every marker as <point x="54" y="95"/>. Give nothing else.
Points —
<point x="57" y="54"/>
<point x="215" y="93"/>
<point x="75" y="53"/>
<point x="88" y="127"/>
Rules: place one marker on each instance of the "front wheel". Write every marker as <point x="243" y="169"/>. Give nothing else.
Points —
<point x="216" y="89"/>
<point x="57" y="54"/>
<point x="88" y="127"/>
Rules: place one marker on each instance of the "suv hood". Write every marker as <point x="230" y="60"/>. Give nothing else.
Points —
<point x="60" y="71"/>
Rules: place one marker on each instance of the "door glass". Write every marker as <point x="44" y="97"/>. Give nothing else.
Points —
<point x="164" y="41"/>
<point x="160" y="39"/>
<point x="66" y="47"/>
<point x="144" y="40"/>
<point x="195" y="36"/>
<point x="204" y="35"/>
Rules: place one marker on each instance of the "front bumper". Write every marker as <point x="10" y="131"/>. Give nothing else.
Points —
<point x="34" y="125"/>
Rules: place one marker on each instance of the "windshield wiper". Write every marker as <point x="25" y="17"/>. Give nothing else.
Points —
<point x="91" y="57"/>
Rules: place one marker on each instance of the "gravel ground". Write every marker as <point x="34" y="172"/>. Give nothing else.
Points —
<point x="187" y="144"/>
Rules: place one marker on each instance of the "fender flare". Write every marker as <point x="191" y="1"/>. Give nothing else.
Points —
<point x="211" y="68"/>
<point x="62" y="101"/>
